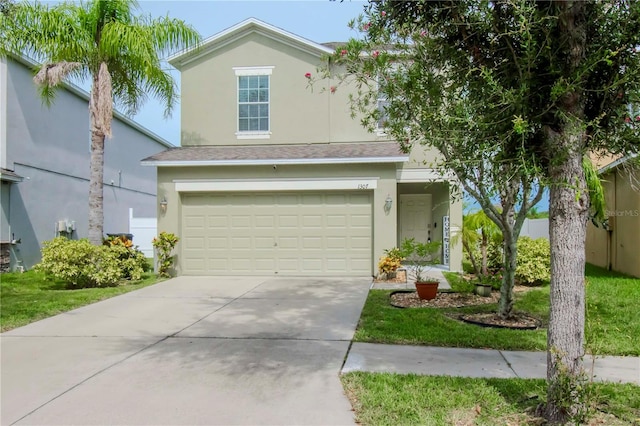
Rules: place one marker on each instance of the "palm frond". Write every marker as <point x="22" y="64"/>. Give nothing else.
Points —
<point x="54" y="74"/>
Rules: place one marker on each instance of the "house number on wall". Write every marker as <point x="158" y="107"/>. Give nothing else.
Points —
<point x="363" y="186"/>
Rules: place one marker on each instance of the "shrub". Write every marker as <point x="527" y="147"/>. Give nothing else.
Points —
<point x="164" y="244"/>
<point x="132" y="261"/>
<point x="80" y="263"/>
<point x="534" y="261"/>
<point x="391" y="261"/>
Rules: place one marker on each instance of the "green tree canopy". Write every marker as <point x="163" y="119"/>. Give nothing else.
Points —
<point x="512" y="92"/>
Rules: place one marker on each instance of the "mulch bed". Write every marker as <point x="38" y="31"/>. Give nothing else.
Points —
<point x="403" y="299"/>
<point x="520" y="321"/>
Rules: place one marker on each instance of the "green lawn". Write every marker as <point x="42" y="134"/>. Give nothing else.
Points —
<point x="29" y="297"/>
<point x="612" y="321"/>
<point x="392" y="399"/>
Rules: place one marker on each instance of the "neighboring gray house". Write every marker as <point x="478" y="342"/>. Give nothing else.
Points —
<point x="44" y="162"/>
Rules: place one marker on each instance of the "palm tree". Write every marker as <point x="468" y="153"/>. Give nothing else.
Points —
<point x="101" y="40"/>
<point x="488" y="231"/>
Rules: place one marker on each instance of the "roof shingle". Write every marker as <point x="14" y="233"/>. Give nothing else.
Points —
<point x="247" y="154"/>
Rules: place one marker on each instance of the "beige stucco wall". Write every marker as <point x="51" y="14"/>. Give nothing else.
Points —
<point x="617" y="248"/>
<point x="298" y="113"/>
<point x="384" y="225"/>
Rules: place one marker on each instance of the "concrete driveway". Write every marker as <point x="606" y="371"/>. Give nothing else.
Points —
<point x="191" y="350"/>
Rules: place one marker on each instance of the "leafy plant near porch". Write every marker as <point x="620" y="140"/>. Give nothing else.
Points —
<point x="164" y="245"/>
<point x="391" y="261"/>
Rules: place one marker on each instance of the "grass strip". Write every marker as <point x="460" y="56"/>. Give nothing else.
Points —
<point x="393" y="399"/>
<point x="32" y="296"/>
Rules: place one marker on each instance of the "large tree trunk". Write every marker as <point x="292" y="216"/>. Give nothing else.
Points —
<point x="568" y="214"/>
<point x="569" y="207"/>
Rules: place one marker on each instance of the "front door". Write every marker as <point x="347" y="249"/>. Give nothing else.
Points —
<point x="415" y="217"/>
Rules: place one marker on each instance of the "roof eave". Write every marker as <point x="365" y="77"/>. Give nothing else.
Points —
<point x="616" y="163"/>
<point x="10" y="178"/>
<point x="275" y="162"/>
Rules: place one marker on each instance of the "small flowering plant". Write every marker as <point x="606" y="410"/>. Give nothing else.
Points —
<point x="391" y="261"/>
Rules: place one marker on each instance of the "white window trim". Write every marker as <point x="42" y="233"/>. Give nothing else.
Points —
<point x="243" y="71"/>
<point x="253" y="71"/>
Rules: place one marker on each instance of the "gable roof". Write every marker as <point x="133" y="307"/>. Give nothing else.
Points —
<point x="239" y="155"/>
<point x="242" y="29"/>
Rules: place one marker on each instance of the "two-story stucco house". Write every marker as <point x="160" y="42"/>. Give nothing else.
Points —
<point x="44" y="167"/>
<point x="275" y="178"/>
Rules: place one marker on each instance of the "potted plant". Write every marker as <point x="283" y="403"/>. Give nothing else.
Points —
<point x="486" y="283"/>
<point x="421" y="256"/>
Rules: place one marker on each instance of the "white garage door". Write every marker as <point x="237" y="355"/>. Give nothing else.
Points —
<point x="302" y="233"/>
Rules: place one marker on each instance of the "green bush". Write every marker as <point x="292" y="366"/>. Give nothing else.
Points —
<point x="533" y="265"/>
<point x="132" y="260"/>
<point x="81" y="264"/>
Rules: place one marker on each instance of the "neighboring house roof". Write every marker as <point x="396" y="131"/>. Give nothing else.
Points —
<point x="616" y="163"/>
<point x="248" y="26"/>
<point x="85" y="95"/>
<point x="9" y="176"/>
<point x="335" y="153"/>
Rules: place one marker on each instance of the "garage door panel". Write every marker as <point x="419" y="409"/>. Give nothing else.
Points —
<point x="194" y="222"/>
<point x="218" y="243"/>
<point x="194" y="243"/>
<point x="293" y="233"/>
<point x="217" y="221"/>
<point x="264" y="221"/>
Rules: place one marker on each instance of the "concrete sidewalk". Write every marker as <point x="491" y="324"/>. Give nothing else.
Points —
<point x="436" y="361"/>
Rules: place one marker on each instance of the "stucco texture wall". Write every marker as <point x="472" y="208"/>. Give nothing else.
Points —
<point x="384" y="225"/>
<point x="617" y="248"/>
<point x="298" y="113"/>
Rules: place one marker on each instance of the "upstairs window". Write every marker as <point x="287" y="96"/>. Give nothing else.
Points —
<point x="254" y="95"/>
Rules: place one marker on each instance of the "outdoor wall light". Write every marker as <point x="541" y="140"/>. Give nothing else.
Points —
<point x="387" y="204"/>
<point x="163" y="205"/>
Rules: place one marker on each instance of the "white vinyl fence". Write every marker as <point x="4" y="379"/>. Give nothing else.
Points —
<point x="144" y="229"/>
<point x="535" y="228"/>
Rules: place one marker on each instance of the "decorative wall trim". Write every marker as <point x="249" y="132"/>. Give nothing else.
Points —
<point x="237" y="185"/>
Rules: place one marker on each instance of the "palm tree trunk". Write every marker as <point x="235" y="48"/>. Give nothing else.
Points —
<point x="96" y="197"/>
<point x="96" y="175"/>
<point x="472" y="258"/>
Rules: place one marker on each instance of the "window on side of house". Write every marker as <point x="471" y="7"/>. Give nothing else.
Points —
<point x="254" y="97"/>
<point x="383" y="116"/>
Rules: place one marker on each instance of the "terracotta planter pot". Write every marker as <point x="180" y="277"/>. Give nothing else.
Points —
<point x="427" y="290"/>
